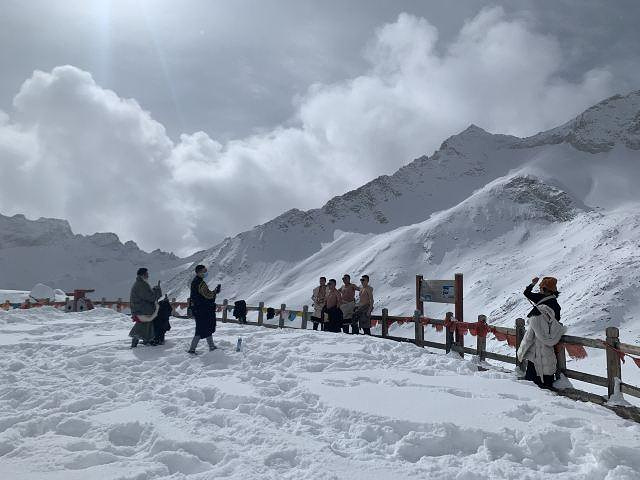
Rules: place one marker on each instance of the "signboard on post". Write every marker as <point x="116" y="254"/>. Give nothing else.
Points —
<point x="438" y="291"/>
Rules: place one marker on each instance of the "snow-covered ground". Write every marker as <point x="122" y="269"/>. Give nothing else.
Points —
<point x="76" y="403"/>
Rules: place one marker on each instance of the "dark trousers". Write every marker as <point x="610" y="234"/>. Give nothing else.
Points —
<point x="316" y="321"/>
<point x="367" y="331"/>
<point x="531" y="375"/>
<point x="354" y="328"/>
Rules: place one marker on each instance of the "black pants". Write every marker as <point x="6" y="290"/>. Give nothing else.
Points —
<point x="367" y="331"/>
<point x="531" y="375"/>
<point x="316" y="321"/>
<point x="354" y="328"/>
<point x="335" y="319"/>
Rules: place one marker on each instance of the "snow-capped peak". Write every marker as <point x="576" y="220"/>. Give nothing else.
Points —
<point x="615" y="120"/>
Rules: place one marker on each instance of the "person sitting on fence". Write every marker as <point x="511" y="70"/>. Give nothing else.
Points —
<point x="332" y="308"/>
<point x="348" y="292"/>
<point x="365" y="306"/>
<point x="161" y="323"/>
<point x="144" y="308"/>
<point x="318" y="299"/>
<point x="203" y="306"/>
<point x="543" y="333"/>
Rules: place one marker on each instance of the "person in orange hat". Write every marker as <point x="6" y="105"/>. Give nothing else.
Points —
<point x="548" y="295"/>
<point x="544" y="331"/>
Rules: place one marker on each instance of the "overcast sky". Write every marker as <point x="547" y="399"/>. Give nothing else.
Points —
<point x="176" y="123"/>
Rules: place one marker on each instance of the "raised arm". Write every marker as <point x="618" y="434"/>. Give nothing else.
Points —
<point x="203" y="290"/>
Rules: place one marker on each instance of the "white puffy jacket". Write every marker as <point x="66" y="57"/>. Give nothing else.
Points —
<point x="543" y="334"/>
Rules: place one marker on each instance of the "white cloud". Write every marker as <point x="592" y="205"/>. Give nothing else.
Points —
<point x="75" y="150"/>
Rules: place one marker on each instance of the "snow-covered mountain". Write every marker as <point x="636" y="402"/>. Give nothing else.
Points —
<point x="46" y="250"/>
<point x="498" y="208"/>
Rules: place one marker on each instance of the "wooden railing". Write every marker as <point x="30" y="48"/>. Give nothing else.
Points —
<point x="453" y="339"/>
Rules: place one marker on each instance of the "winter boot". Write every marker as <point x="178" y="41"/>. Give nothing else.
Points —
<point x="134" y="342"/>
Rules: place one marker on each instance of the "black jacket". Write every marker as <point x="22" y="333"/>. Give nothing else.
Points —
<point x="536" y="297"/>
<point x="203" y="308"/>
<point x="240" y="309"/>
<point x="161" y="322"/>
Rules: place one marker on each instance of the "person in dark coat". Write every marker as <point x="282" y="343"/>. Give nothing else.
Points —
<point x="203" y="307"/>
<point x="161" y="323"/>
<point x="144" y="308"/>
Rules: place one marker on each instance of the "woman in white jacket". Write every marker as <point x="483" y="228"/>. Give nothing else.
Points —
<point x="543" y="333"/>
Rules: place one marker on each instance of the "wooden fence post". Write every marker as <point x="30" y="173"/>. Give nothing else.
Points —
<point x="281" y="319"/>
<point x="613" y="359"/>
<point x="520" y="331"/>
<point x="225" y="303"/>
<point x="419" y="329"/>
<point x="103" y="302"/>
<point x="481" y="346"/>
<point x="385" y="322"/>
<point x="305" y="316"/>
<point x="459" y="310"/>
<point x="119" y="305"/>
<point x="561" y="358"/>
<point x="448" y="333"/>
<point x="260" y="314"/>
<point x="419" y="302"/>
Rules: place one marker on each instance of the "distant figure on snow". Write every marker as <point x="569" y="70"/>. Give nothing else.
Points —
<point x="203" y="306"/>
<point x="543" y="333"/>
<point x="319" y="299"/>
<point x="144" y="308"/>
<point x="348" y="292"/>
<point x="333" y="302"/>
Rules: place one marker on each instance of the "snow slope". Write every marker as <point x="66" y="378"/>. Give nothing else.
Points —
<point x="75" y="403"/>
<point x="47" y="251"/>
<point x="499" y="209"/>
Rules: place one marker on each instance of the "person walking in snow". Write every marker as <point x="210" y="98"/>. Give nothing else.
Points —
<point x="348" y="292"/>
<point x="318" y="301"/>
<point x="543" y="333"/>
<point x="203" y="307"/>
<point x="333" y="302"/>
<point x="144" y="308"/>
<point x="364" y="306"/>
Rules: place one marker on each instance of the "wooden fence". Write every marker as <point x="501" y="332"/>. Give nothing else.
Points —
<point x="454" y="341"/>
<point x="454" y="336"/>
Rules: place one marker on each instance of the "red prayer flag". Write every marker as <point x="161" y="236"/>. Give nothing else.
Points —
<point x="501" y="337"/>
<point x="576" y="352"/>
